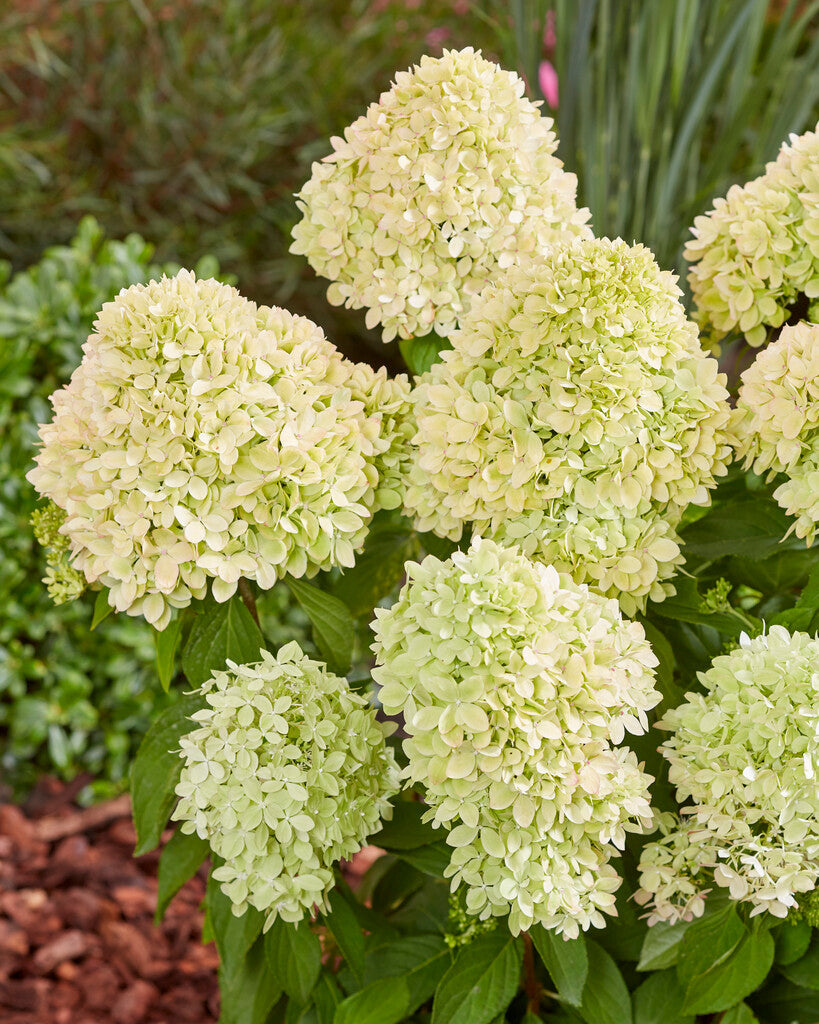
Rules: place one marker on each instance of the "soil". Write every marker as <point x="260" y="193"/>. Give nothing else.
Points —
<point x="77" y="940"/>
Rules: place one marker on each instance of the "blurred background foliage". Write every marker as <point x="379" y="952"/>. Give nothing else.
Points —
<point x="193" y="122"/>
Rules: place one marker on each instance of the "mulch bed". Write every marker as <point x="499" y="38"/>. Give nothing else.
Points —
<point x="77" y="939"/>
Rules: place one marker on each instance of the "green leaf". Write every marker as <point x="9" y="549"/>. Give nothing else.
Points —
<point x="156" y="770"/>
<point x="249" y="990"/>
<point x="234" y="935"/>
<point x="753" y="529"/>
<point x="181" y="858"/>
<point x="566" y="961"/>
<point x="431" y="859"/>
<point x="659" y="1000"/>
<point x="220" y="632"/>
<point x="481" y="983"/>
<point x="405" y="830"/>
<point x="739" y="1014"/>
<point x="326" y="997"/>
<point x="805" y="970"/>
<point x="333" y="626"/>
<point x="420" y="353"/>
<point x="661" y="946"/>
<point x="345" y="930"/>
<point x="377" y="570"/>
<point x="294" y="954"/>
<point x="709" y="941"/>
<point x="605" y="997"/>
<point x="730" y="981"/>
<point x="686" y="606"/>
<point x="786" y="1003"/>
<point x="421" y="961"/>
<point x="101" y="608"/>
<point x="383" y="1002"/>
<point x="166" y="643"/>
<point x="792" y="941"/>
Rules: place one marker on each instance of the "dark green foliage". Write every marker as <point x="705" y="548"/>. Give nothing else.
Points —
<point x="69" y="700"/>
<point x="201" y="142"/>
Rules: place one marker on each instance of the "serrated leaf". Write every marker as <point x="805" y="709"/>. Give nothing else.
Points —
<point x="102" y="609"/>
<point x="733" y="979"/>
<point x="249" y="990"/>
<point x="805" y="970"/>
<point x="181" y="858"/>
<point x="166" y="642"/>
<point x="377" y="570"/>
<point x="420" y="353"/>
<point x="659" y="1000"/>
<point x="792" y="941"/>
<point x="345" y="929"/>
<point x="661" y="946"/>
<point x="566" y="961"/>
<point x="156" y="770"/>
<point x="294" y="955"/>
<point x="234" y="935"/>
<point x="753" y="529"/>
<point x="709" y="941"/>
<point x="333" y="626"/>
<point x="431" y="859"/>
<point x="606" y="998"/>
<point x="421" y="960"/>
<point x="740" y="1014"/>
<point x="383" y="1002"/>
<point x="220" y="632"/>
<point x="481" y="983"/>
<point x="405" y="830"/>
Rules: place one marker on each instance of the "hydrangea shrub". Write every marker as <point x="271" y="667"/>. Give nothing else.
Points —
<point x="567" y="684"/>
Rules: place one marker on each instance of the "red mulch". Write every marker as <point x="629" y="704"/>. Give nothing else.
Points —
<point x="77" y="939"/>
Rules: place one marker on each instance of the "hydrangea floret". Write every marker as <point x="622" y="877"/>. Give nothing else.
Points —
<point x="516" y="684"/>
<point x="777" y="421"/>
<point x="743" y="756"/>
<point x="756" y="253"/>
<point x="576" y="415"/>
<point x="286" y="773"/>
<point x="204" y="437"/>
<point x="448" y="180"/>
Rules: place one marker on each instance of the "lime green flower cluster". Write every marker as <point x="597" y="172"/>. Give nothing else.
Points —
<point x="576" y="416"/>
<point x="745" y="753"/>
<point x="205" y="438"/>
<point x="777" y="421"/>
<point x="286" y="773"/>
<point x="62" y="580"/>
<point x="446" y="181"/>
<point x="757" y="251"/>
<point x="674" y="870"/>
<point x="516" y="684"/>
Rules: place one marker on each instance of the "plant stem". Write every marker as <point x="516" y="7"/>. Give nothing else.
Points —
<point x="532" y="985"/>
<point x="246" y="594"/>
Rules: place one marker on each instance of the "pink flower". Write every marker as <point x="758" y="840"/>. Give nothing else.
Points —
<point x="547" y="77"/>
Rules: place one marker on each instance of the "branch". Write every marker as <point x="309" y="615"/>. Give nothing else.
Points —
<point x="246" y="594"/>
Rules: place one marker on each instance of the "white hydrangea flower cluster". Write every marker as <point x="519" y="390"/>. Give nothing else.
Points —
<point x="673" y="870"/>
<point x="757" y="251"/>
<point x="203" y="437"/>
<point x="447" y="180"/>
<point x="746" y="753"/>
<point x="287" y="773"/>
<point x="777" y="421"/>
<point x="577" y="416"/>
<point x="516" y="684"/>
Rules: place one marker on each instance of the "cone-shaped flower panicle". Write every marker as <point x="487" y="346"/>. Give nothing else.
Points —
<point x="286" y="773"/>
<point x="744" y="756"/>
<point x="577" y="416"/>
<point x="446" y="181"/>
<point x="777" y="421"/>
<point x="755" y="255"/>
<point x="516" y="686"/>
<point x="205" y="438"/>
